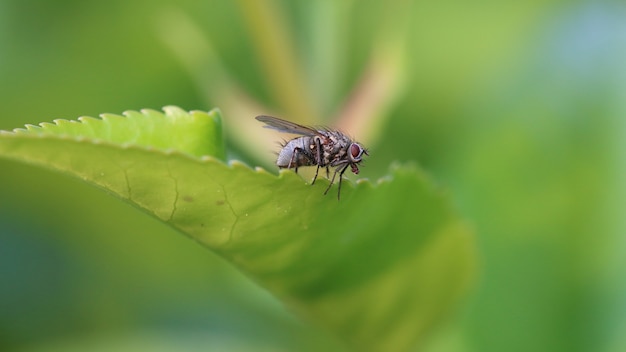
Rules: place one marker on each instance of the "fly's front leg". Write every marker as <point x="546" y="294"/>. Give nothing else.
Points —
<point x="343" y="169"/>
<point x="340" y="179"/>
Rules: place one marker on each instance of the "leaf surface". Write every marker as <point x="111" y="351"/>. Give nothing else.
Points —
<point x="377" y="269"/>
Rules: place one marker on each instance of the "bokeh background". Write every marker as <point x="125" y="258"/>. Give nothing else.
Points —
<point x="517" y="109"/>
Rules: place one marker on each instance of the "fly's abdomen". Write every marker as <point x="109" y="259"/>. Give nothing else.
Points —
<point x="296" y="153"/>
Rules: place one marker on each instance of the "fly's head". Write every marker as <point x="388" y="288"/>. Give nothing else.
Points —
<point x="355" y="156"/>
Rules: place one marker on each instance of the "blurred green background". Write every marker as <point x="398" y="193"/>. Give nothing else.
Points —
<point x="517" y="109"/>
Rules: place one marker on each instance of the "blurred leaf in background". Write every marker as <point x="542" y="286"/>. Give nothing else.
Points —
<point x="517" y="108"/>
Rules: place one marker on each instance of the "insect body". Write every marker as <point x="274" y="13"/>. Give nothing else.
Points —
<point x="316" y="147"/>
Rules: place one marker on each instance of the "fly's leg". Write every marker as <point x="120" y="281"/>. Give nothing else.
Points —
<point x="315" y="177"/>
<point x="318" y="159"/>
<point x="294" y="157"/>
<point x="340" y="179"/>
<point x="343" y="169"/>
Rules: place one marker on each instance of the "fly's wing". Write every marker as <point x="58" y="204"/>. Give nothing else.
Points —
<point x="285" y="126"/>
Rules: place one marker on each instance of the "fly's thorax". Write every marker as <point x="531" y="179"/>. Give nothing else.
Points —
<point x="336" y="147"/>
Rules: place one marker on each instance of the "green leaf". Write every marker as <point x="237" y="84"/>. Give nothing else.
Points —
<point x="378" y="269"/>
<point x="195" y="132"/>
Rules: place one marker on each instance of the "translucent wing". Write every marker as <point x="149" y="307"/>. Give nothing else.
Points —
<point x="285" y="126"/>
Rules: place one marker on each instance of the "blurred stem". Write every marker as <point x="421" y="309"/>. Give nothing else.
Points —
<point x="365" y="109"/>
<point x="195" y="52"/>
<point x="276" y="53"/>
<point x="382" y="80"/>
<point x="325" y="39"/>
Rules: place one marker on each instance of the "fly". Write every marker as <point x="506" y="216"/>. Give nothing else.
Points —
<point x="316" y="147"/>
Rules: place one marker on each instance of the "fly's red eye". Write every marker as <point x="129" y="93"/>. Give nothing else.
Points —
<point x="355" y="151"/>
